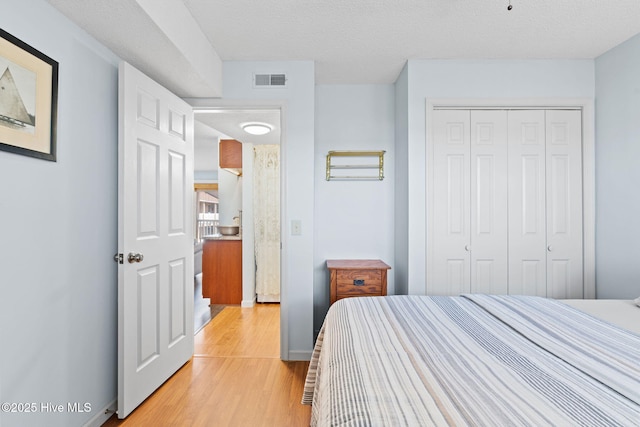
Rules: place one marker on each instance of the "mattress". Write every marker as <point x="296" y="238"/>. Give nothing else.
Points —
<point x="623" y="313"/>
<point x="472" y="360"/>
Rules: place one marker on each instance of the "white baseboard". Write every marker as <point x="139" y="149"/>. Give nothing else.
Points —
<point x="248" y="303"/>
<point x="103" y="415"/>
<point x="300" y="355"/>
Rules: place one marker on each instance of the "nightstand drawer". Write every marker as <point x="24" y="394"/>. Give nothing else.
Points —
<point x="359" y="282"/>
<point x="357" y="277"/>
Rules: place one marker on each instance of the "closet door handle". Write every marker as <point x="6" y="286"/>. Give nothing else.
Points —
<point x="549" y="248"/>
<point x="467" y="248"/>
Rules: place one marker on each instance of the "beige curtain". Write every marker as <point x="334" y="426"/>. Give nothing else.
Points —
<point x="266" y="211"/>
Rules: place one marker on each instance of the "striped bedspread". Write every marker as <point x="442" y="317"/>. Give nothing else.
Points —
<point x="471" y="360"/>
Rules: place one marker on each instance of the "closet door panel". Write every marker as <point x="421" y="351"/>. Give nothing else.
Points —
<point x="489" y="267"/>
<point x="506" y="215"/>
<point x="532" y="273"/>
<point x="451" y="233"/>
<point x="564" y="204"/>
<point x="527" y="204"/>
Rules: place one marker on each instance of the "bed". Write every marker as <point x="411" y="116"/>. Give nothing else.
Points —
<point x="475" y="360"/>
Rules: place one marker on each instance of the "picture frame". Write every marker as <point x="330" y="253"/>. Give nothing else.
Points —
<point x="28" y="99"/>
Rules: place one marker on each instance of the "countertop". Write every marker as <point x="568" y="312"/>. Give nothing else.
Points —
<point x="221" y="237"/>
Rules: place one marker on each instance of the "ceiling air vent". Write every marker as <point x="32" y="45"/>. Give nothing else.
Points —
<point x="269" y="80"/>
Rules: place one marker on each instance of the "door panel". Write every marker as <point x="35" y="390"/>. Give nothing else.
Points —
<point x="488" y="243"/>
<point x="564" y="204"/>
<point x="177" y="304"/>
<point x="484" y="281"/>
<point x="457" y="277"/>
<point x="527" y="207"/>
<point x="456" y="192"/>
<point x="484" y="194"/>
<point x="559" y="203"/>
<point x="560" y="278"/>
<point x="177" y="194"/>
<point x="148" y="188"/>
<point x="155" y="292"/>
<point x="148" y="315"/>
<point x="532" y="273"/>
<point x="451" y="235"/>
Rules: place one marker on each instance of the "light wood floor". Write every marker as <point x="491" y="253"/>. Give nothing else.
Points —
<point x="235" y="378"/>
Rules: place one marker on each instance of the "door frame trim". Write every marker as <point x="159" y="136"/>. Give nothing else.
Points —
<point x="586" y="106"/>
<point x="271" y="104"/>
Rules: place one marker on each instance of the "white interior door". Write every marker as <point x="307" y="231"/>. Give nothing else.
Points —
<point x="489" y="225"/>
<point x="527" y="206"/>
<point x="564" y="204"/>
<point x="155" y="286"/>
<point x="451" y="248"/>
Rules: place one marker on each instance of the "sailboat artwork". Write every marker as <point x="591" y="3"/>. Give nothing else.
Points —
<point x="13" y="112"/>
<point x="28" y="100"/>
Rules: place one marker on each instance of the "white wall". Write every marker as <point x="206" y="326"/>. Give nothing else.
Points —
<point x="298" y="185"/>
<point x="58" y="234"/>
<point x="473" y="79"/>
<point x="248" y="232"/>
<point x="618" y="171"/>
<point x="205" y="159"/>
<point x="354" y="219"/>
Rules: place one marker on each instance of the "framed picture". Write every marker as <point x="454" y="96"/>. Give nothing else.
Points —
<point x="28" y="99"/>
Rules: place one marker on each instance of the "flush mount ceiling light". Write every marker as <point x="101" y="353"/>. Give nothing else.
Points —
<point x="256" y="128"/>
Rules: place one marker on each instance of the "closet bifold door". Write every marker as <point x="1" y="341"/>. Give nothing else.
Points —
<point x="527" y="204"/>
<point x="545" y="203"/>
<point x="507" y="203"/>
<point x="489" y="189"/>
<point x="564" y="204"/>
<point x="450" y="249"/>
<point x="469" y="250"/>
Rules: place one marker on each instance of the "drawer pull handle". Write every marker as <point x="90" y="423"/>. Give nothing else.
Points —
<point x="358" y="282"/>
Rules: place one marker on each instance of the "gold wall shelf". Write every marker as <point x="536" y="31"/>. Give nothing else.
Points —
<point x="371" y="163"/>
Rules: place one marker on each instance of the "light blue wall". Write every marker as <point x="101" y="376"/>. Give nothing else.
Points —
<point x="354" y="219"/>
<point x="401" y="195"/>
<point x="473" y="79"/>
<point x="205" y="176"/>
<point x="297" y="158"/>
<point x="618" y="171"/>
<point x="58" y="234"/>
<point x="58" y="221"/>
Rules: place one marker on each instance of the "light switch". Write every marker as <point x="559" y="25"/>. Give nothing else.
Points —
<point x="296" y="227"/>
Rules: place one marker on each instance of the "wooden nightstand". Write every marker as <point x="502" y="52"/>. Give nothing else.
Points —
<point x="357" y="278"/>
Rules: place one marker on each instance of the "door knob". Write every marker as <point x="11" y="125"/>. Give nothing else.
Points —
<point x="134" y="257"/>
<point x="549" y="248"/>
<point x="467" y="248"/>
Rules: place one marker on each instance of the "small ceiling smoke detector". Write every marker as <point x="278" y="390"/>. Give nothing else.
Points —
<point x="256" y="128"/>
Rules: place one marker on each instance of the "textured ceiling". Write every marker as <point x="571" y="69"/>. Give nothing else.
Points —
<point x="368" y="41"/>
<point x="350" y="41"/>
<point x="360" y="41"/>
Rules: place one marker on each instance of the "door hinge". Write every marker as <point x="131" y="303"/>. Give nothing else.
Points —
<point x="119" y="258"/>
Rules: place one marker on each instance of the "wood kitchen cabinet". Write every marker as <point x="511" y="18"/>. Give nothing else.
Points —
<point x="230" y="155"/>
<point x="222" y="271"/>
<point x="357" y="278"/>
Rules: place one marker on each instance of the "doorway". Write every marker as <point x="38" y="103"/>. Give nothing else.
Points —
<point x="206" y="209"/>
<point x="225" y="122"/>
